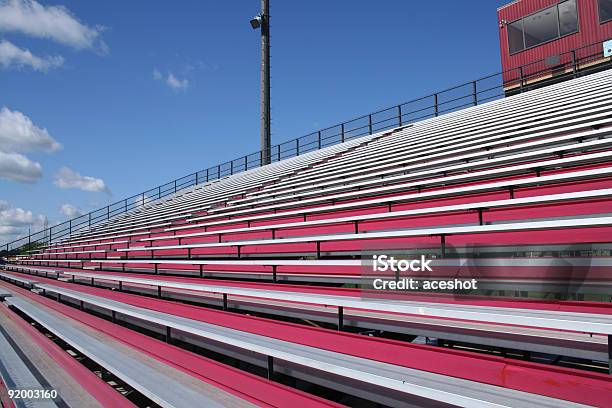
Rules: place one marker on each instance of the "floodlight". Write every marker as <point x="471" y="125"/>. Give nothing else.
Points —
<point x="256" y="22"/>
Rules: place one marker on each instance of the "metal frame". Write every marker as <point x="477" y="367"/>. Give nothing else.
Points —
<point x="368" y="124"/>
<point x="375" y="374"/>
<point x="543" y="319"/>
<point x="138" y="374"/>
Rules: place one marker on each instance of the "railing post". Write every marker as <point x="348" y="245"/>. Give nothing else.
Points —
<point x="231" y="167"/>
<point x="278" y="152"/>
<point x="574" y="63"/>
<point x="399" y="115"/>
<point x="70" y="227"/>
<point x="297" y="147"/>
<point x="474" y="93"/>
<point x="370" y="123"/>
<point x="90" y="220"/>
<point x="143" y="199"/>
<point x="108" y="212"/>
<point x="159" y="192"/>
<point x="319" y="139"/>
<point x="197" y="176"/>
<point x="246" y="163"/>
<point x="175" y="186"/>
<point x="342" y="133"/>
<point x="435" y="104"/>
<point x="521" y="77"/>
<point x="50" y="234"/>
<point x="125" y="205"/>
<point x="219" y="171"/>
<point x="206" y="175"/>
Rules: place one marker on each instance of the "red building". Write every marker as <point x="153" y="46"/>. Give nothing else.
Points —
<point x="548" y="40"/>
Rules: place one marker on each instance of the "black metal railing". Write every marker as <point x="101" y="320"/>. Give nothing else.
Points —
<point x="520" y="79"/>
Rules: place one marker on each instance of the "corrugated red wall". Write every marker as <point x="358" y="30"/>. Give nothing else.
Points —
<point x="589" y="31"/>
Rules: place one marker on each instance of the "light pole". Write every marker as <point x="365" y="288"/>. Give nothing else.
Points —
<point x="262" y="21"/>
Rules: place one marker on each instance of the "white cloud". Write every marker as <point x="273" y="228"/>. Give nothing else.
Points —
<point x="53" y="22"/>
<point x="16" y="217"/>
<point x="70" y="211"/>
<point x="175" y="83"/>
<point x="67" y="178"/>
<point x="8" y="232"/>
<point x="15" y="221"/>
<point x="19" y="134"/>
<point x="171" y="80"/>
<point x="12" y="56"/>
<point x="17" y="167"/>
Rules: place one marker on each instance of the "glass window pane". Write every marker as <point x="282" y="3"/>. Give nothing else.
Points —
<point x="541" y="27"/>
<point x="568" y="17"/>
<point x="605" y="10"/>
<point x="515" y="37"/>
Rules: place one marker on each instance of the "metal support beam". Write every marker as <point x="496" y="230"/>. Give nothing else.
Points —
<point x="270" y="367"/>
<point x="443" y="245"/>
<point x="436" y="104"/>
<point x="265" y="82"/>
<point x="610" y="353"/>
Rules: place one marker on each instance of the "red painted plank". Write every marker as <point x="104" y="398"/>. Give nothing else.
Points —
<point x="570" y="384"/>
<point x="90" y="382"/>
<point x="242" y="384"/>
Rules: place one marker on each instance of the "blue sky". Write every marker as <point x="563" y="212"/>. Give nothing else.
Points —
<point x="139" y="93"/>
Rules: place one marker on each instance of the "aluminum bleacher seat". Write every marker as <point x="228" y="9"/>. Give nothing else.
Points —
<point x="161" y="374"/>
<point x="31" y="363"/>
<point x="198" y="198"/>
<point x="285" y="300"/>
<point x="516" y="193"/>
<point x="421" y="374"/>
<point x="554" y="124"/>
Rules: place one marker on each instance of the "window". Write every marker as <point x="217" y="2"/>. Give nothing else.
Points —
<point x="545" y="25"/>
<point x="541" y="27"/>
<point x="605" y="10"/>
<point x="568" y="18"/>
<point x="515" y="36"/>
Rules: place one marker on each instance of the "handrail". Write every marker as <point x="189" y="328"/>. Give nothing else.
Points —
<point x="520" y="79"/>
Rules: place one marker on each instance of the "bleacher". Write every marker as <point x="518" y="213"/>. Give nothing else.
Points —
<point x="256" y="289"/>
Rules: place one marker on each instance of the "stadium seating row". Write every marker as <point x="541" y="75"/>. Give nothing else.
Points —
<point x="515" y="193"/>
